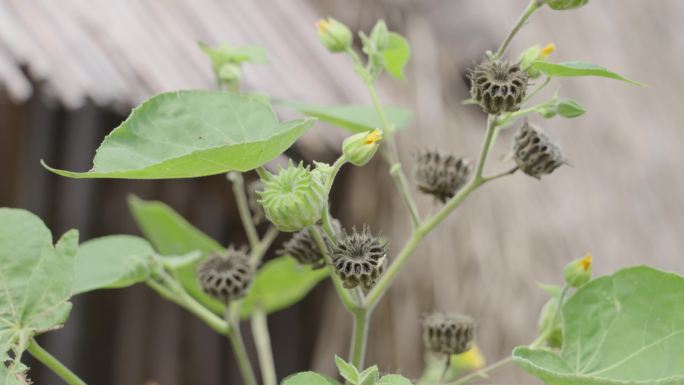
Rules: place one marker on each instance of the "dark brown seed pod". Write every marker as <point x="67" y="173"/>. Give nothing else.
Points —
<point x="448" y="333"/>
<point x="441" y="175"/>
<point x="226" y="275"/>
<point x="498" y="86"/>
<point x="359" y="258"/>
<point x="534" y="153"/>
<point x="304" y="249"/>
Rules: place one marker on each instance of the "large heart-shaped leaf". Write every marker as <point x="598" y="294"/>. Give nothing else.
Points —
<point x="171" y="234"/>
<point x="36" y="279"/>
<point x="354" y="118"/>
<point x="113" y="261"/>
<point x="188" y="134"/>
<point x="578" y="68"/>
<point x="627" y="328"/>
<point x="280" y="283"/>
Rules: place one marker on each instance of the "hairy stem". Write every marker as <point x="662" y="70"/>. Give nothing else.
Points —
<point x="429" y="224"/>
<point x="339" y="287"/>
<point x="241" y="356"/>
<point x="258" y="252"/>
<point x="262" y="340"/>
<point x="531" y="7"/>
<point x="357" y="350"/>
<point x="392" y="158"/>
<point x="53" y="363"/>
<point x="171" y="290"/>
<point x="484" y="372"/>
<point x="243" y="208"/>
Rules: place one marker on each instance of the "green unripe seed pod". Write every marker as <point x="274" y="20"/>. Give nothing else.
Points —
<point x="359" y="149"/>
<point x="335" y="36"/>
<point x="578" y="272"/>
<point x="294" y="198"/>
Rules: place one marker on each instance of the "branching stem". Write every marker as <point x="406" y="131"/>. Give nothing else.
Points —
<point x="53" y="363"/>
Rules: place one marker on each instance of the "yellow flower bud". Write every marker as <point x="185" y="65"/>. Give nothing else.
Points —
<point x="359" y="149"/>
<point x="547" y="50"/>
<point x="335" y="36"/>
<point x="578" y="272"/>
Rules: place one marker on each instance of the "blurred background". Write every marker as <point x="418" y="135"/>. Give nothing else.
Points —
<point x="71" y="70"/>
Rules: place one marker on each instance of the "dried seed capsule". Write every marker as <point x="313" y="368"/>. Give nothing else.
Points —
<point x="441" y="175"/>
<point x="448" y="333"/>
<point x="498" y="86"/>
<point x="359" y="258"/>
<point x="226" y="275"/>
<point x="304" y="249"/>
<point x="534" y="152"/>
<point x="253" y="200"/>
<point x="294" y="198"/>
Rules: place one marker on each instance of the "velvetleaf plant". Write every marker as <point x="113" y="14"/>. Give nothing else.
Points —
<point x="619" y="329"/>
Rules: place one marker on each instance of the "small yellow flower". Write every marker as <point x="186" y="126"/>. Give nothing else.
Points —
<point x="469" y="360"/>
<point x="373" y="137"/>
<point x="547" y="50"/>
<point x="322" y="25"/>
<point x="585" y="263"/>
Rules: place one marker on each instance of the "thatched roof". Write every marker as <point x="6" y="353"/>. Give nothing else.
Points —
<point x="121" y="52"/>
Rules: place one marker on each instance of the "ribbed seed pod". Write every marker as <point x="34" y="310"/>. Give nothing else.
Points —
<point x="534" y="153"/>
<point x="441" y="175"/>
<point x="294" y="198"/>
<point x="226" y="275"/>
<point x="498" y="86"/>
<point x="448" y="333"/>
<point x="359" y="258"/>
<point x="253" y="200"/>
<point x="304" y="249"/>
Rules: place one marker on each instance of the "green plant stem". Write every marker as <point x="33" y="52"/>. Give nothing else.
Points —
<point x="429" y="224"/>
<point x="243" y="208"/>
<point x="537" y="90"/>
<point x="484" y="372"/>
<point x="264" y="175"/>
<point x="262" y="340"/>
<point x="392" y="158"/>
<point x="343" y="293"/>
<point x="171" y="290"/>
<point x="258" y="252"/>
<point x="357" y="350"/>
<point x="545" y="334"/>
<point x="531" y="7"/>
<point x="51" y="362"/>
<point x="241" y="356"/>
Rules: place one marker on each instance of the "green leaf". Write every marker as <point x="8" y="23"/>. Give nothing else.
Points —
<point x="627" y="328"/>
<point x="578" y="68"/>
<point x="369" y="376"/>
<point x="189" y="134"/>
<point x="15" y="374"/>
<point x="562" y="5"/>
<point x="171" y="234"/>
<point x="396" y="55"/>
<point x="306" y="378"/>
<point x="223" y="53"/>
<point x="280" y="283"/>
<point x="36" y="279"/>
<point x="568" y="108"/>
<point x="347" y="370"/>
<point x="353" y="118"/>
<point x="394" y="379"/>
<point x="113" y="261"/>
